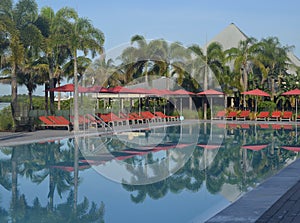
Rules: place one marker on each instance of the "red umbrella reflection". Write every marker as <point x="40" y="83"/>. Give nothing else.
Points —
<point x="255" y="147"/>
<point x="292" y="148"/>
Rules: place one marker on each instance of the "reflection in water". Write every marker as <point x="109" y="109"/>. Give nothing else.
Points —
<point x="222" y="161"/>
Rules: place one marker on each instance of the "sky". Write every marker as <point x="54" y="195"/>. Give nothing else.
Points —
<point x="189" y="22"/>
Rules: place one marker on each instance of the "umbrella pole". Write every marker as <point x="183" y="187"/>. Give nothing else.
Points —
<point x="211" y="109"/>
<point x="296" y="108"/>
<point x="255" y="104"/>
<point x="181" y="106"/>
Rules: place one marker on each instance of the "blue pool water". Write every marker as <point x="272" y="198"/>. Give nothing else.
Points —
<point x="173" y="174"/>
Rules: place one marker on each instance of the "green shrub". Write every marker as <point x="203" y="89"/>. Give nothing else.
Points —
<point x="266" y="106"/>
<point x="190" y="114"/>
<point x="6" y="121"/>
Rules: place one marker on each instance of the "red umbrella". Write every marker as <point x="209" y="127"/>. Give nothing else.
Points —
<point x="256" y="92"/>
<point x="182" y="92"/>
<point x="295" y="91"/>
<point x="255" y="147"/>
<point x="292" y="148"/>
<point x="211" y="92"/>
<point x="67" y="88"/>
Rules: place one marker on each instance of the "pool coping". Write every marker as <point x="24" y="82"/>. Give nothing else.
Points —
<point x="253" y="204"/>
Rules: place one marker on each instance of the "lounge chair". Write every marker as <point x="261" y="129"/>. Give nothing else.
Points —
<point x="276" y="126"/>
<point x="151" y="117"/>
<point x="136" y="115"/>
<point x="167" y="117"/>
<point x="112" y="119"/>
<point x="54" y="121"/>
<point x="275" y="116"/>
<point x="263" y="116"/>
<point x="231" y="115"/>
<point x="131" y="119"/>
<point x="243" y="115"/>
<point x="220" y="115"/>
<point x="286" y="116"/>
<point x="95" y="121"/>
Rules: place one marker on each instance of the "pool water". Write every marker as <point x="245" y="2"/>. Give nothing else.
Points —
<point x="184" y="173"/>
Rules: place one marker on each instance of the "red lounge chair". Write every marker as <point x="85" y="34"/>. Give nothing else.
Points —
<point x="276" y="126"/>
<point x="167" y="117"/>
<point x="275" y="116"/>
<point x="245" y="126"/>
<point x="131" y="119"/>
<point x="52" y="121"/>
<point x="231" y="115"/>
<point x="95" y="121"/>
<point x="220" y="115"/>
<point x="145" y="120"/>
<point x="263" y="115"/>
<point x="150" y="116"/>
<point x="264" y="126"/>
<point x="243" y="115"/>
<point x="287" y="116"/>
<point x="112" y="119"/>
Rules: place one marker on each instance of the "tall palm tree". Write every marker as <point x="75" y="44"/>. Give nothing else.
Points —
<point x="77" y="34"/>
<point x="55" y="55"/>
<point x="243" y="57"/>
<point x="274" y="58"/>
<point x="17" y="20"/>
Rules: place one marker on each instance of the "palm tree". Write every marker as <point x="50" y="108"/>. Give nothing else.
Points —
<point x="274" y="58"/>
<point x="54" y="54"/>
<point x="15" y="22"/>
<point x="101" y="72"/>
<point x="77" y="34"/>
<point x="243" y="57"/>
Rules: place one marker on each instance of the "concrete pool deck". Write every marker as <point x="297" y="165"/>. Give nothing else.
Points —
<point x="277" y="199"/>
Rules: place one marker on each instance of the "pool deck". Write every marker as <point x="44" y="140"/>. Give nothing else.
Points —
<point x="277" y="199"/>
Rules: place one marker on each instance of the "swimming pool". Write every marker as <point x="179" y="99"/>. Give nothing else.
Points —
<point x="184" y="173"/>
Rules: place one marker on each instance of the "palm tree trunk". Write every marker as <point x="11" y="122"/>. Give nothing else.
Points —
<point x="52" y="85"/>
<point x="14" y="94"/>
<point x="14" y="182"/>
<point x="76" y="157"/>
<point x="46" y="97"/>
<point x="30" y="99"/>
<point x="76" y="112"/>
<point x="205" y="84"/>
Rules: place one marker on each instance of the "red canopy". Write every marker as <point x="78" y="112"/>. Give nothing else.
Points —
<point x="182" y="92"/>
<point x="292" y="92"/>
<point x="210" y="92"/>
<point x="67" y="88"/>
<point x="255" y="147"/>
<point x="292" y="148"/>
<point x="256" y="92"/>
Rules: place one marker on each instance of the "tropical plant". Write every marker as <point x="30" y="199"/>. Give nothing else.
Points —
<point x="17" y="24"/>
<point x="77" y="34"/>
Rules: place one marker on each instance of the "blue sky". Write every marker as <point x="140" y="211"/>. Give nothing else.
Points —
<point x="188" y="21"/>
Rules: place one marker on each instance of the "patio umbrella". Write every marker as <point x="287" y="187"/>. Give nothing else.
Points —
<point x="256" y="92"/>
<point x="296" y="92"/>
<point x="255" y="147"/>
<point x="68" y="88"/>
<point x="292" y="148"/>
<point x="210" y="93"/>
